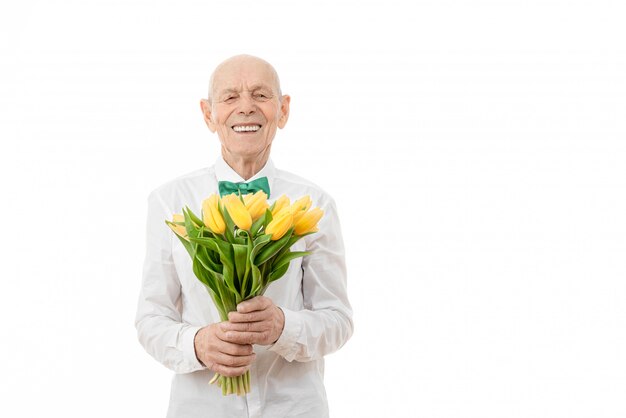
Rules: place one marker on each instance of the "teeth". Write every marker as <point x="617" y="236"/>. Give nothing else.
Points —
<point x="252" y="128"/>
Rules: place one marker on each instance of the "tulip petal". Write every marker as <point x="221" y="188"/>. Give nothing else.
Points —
<point x="280" y="204"/>
<point x="308" y="221"/>
<point x="237" y="211"/>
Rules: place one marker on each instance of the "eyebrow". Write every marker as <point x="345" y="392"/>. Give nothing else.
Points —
<point x="252" y="88"/>
<point x="226" y="91"/>
<point x="260" y="86"/>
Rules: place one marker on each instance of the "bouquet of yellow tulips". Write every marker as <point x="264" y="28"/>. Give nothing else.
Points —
<point x="240" y="245"/>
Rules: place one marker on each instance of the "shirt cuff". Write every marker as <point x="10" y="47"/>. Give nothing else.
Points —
<point x="287" y="343"/>
<point x="189" y="349"/>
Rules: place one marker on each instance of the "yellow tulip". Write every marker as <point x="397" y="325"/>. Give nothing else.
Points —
<point x="280" y="224"/>
<point x="300" y="206"/>
<point x="256" y="204"/>
<point x="280" y="204"/>
<point x="308" y="221"/>
<point x="237" y="211"/>
<point x="211" y="215"/>
<point x="179" y="230"/>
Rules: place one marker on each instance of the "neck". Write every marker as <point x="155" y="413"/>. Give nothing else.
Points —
<point x="246" y="166"/>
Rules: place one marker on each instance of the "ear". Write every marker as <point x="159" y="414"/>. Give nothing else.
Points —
<point x="284" y="111"/>
<point x="205" y="106"/>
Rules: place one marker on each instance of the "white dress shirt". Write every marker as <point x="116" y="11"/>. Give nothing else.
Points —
<point x="286" y="377"/>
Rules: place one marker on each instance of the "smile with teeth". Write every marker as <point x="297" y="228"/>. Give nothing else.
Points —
<point x="247" y="128"/>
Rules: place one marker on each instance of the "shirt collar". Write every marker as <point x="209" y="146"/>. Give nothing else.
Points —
<point x="224" y="172"/>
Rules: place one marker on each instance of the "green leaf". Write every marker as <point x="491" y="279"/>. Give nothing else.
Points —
<point x="192" y="230"/>
<point x="194" y="218"/>
<point x="296" y="238"/>
<point x="201" y="273"/>
<point x="227" y="299"/>
<point x="226" y="253"/>
<point x="290" y="243"/>
<point x="286" y="259"/>
<point x="205" y="260"/>
<point x="210" y="243"/>
<point x="230" y="225"/>
<point x="262" y="239"/>
<point x="270" y="250"/>
<point x="259" y="243"/>
<point x="256" y="225"/>
<point x="215" y="257"/>
<point x="244" y="282"/>
<point x="267" y="218"/>
<point x="229" y="278"/>
<point x="241" y="252"/>
<point x="278" y="273"/>
<point x="256" y="282"/>
<point x="223" y="248"/>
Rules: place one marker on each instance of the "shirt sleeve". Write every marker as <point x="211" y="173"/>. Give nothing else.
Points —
<point x="160" y="329"/>
<point x="325" y="324"/>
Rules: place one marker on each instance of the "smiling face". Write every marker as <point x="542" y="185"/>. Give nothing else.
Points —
<point x="245" y="107"/>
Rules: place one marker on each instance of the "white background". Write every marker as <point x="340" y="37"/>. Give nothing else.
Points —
<point x="476" y="151"/>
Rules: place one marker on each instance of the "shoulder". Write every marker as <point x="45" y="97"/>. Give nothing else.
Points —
<point x="175" y="189"/>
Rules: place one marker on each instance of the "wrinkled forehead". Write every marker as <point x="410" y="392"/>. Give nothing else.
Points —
<point x="241" y="76"/>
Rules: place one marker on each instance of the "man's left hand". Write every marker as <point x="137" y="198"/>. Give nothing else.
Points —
<point x="257" y="321"/>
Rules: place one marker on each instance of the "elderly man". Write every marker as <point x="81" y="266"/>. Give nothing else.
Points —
<point x="281" y="337"/>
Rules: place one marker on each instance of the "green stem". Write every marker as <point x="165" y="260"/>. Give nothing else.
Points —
<point x="239" y="385"/>
<point x="216" y="376"/>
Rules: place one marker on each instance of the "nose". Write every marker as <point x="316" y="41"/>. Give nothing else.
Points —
<point x="247" y="105"/>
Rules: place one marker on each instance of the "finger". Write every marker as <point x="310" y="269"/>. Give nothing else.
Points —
<point x="234" y="361"/>
<point x="230" y="337"/>
<point x="254" y="316"/>
<point x="244" y="337"/>
<point x="246" y="326"/>
<point x="255" y="304"/>
<point x="229" y="371"/>
<point x="233" y="349"/>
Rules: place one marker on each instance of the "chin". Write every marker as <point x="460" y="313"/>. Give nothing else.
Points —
<point x="245" y="151"/>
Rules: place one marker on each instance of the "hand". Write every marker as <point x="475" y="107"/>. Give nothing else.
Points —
<point x="257" y="321"/>
<point x="221" y="355"/>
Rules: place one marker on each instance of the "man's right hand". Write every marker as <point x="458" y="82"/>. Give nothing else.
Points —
<point x="221" y="356"/>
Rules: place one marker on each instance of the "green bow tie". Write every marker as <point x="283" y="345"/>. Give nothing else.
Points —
<point x="227" y="187"/>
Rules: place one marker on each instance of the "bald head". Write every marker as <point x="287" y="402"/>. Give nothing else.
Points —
<point x="237" y="64"/>
<point x="245" y="108"/>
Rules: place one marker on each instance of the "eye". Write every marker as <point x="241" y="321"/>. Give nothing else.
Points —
<point x="261" y="96"/>
<point x="230" y="99"/>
